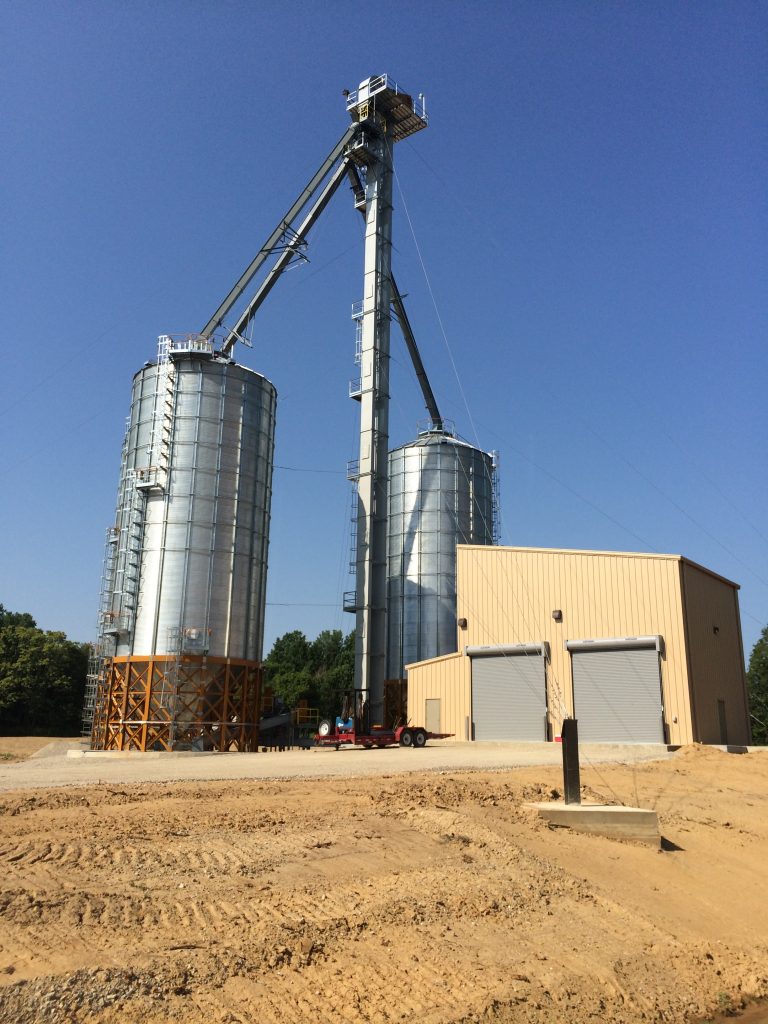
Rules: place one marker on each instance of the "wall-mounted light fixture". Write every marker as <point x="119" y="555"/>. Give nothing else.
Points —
<point x="557" y="615"/>
<point x="462" y="623"/>
<point x="715" y="630"/>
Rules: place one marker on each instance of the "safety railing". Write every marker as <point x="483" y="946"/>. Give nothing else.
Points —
<point x="377" y="84"/>
<point x="189" y="343"/>
<point x="306" y="716"/>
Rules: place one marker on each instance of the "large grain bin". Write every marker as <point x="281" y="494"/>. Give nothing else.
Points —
<point x="184" y="589"/>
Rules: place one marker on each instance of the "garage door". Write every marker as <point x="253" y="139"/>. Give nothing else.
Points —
<point x="509" y="697"/>
<point x="617" y="692"/>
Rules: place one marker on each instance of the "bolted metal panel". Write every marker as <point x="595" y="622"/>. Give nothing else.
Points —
<point x="441" y="495"/>
<point x="194" y="505"/>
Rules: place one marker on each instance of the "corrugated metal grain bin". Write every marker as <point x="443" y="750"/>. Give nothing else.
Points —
<point x="183" y="592"/>
<point x="203" y="557"/>
<point x="441" y="493"/>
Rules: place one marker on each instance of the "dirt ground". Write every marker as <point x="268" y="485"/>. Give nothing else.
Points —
<point x="17" y="748"/>
<point x="432" y="896"/>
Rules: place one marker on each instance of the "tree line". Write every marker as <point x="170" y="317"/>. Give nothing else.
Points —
<point x="42" y="675"/>
<point x="42" y="679"/>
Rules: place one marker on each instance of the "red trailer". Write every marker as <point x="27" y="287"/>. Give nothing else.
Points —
<point x="353" y="728"/>
<point x="330" y="735"/>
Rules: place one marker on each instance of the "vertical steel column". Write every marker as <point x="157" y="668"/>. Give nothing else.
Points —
<point x="372" y="488"/>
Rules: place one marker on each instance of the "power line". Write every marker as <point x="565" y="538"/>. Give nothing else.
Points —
<point x="552" y="676"/>
<point x="437" y="311"/>
<point x="302" y="604"/>
<point x="299" y="469"/>
<point x="675" y="504"/>
<point x="458" y="199"/>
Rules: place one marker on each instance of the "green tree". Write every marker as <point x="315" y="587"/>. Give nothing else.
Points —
<point x="333" y="668"/>
<point x="42" y="681"/>
<point x="288" y="669"/>
<point x="757" y="689"/>
<point x="290" y="652"/>
<point x="15" y="618"/>
<point x="297" y="669"/>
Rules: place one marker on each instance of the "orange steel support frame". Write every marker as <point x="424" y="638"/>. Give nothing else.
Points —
<point x="159" y="703"/>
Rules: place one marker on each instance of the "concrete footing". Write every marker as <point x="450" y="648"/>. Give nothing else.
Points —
<point x="604" y="820"/>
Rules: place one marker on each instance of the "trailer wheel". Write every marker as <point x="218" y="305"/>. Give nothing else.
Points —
<point x="406" y="738"/>
<point x="325" y="728"/>
<point x="420" y="738"/>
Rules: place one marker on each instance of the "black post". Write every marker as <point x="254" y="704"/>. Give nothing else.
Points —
<point x="571" y="781"/>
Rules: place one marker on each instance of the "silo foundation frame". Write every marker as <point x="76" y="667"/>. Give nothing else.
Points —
<point x="166" y="703"/>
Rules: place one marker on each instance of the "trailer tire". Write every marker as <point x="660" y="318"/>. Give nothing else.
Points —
<point x="325" y="728"/>
<point x="420" y="738"/>
<point x="406" y="738"/>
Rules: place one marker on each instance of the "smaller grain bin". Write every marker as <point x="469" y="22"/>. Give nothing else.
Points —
<point x="442" y="492"/>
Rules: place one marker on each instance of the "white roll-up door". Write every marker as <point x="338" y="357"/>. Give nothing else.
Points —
<point x="617" y="695"/>
<point x="509" y="697"/>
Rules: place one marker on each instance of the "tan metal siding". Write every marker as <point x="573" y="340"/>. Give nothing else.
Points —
<point x="716" y="659"/>
<point x="446" y="679"/>
<point x="507" y="595"/>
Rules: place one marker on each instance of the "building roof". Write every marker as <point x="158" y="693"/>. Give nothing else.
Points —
<point x="606" y="554"/>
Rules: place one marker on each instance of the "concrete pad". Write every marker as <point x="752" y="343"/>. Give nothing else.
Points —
<point x="141" y="755"/>
<point x="56" y="748"/>
<point x="438" y="756"/>
<point x="604" y="820"/>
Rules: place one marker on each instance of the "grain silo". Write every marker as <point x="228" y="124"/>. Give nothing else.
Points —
<point x="183" y="592"/>
<point x="442" y="492"/>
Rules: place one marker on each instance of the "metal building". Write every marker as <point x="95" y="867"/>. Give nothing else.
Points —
<point x="639" y="648"/>
<point x="442" y="492"/>
<point x="183" y="592"/>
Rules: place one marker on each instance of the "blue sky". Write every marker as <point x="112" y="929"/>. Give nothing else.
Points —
<point x="585" y="240"/>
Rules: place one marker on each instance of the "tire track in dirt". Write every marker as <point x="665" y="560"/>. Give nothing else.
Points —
<point x="433" y="899"/>
<point x="69" y="859"/>
<point x="107" y="922"/>
<point x="364" y="980"/>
